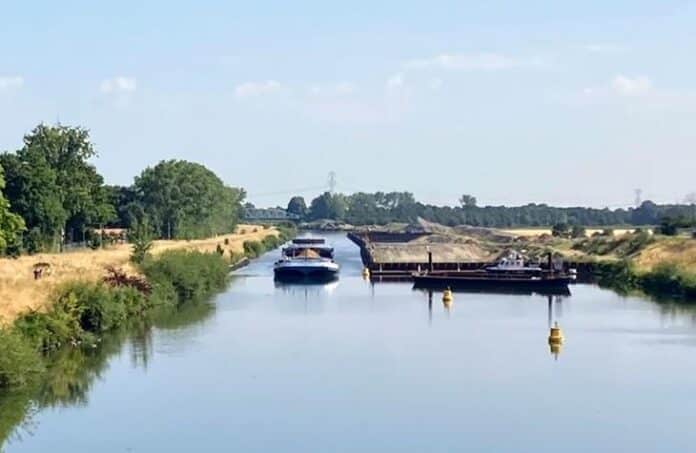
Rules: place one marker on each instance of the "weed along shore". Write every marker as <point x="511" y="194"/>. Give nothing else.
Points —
<point x="80" y="310"/>
<point x="21" y="292"/>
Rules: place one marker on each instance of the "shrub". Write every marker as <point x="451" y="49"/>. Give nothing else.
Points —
<point x="252" y="249"/>
<point x="270" y="242"/>
<point x="560" y="230"/>
<point x="578" y="231"/>
<point x="191" y="275"/>
<point x="140" y="236"/>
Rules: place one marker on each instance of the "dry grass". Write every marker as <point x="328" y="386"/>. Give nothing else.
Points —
<point x="532" y="232"/>
<point x="678" y="250"/>
<point x="19" y="292"/>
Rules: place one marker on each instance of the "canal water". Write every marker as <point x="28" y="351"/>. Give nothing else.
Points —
<point x="352" y="366"/>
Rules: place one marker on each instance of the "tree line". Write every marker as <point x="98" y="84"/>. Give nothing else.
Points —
<point x="51" y="195"/>
<point x="381" y="208"/>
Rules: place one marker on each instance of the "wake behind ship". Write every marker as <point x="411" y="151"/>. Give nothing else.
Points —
<point x="306" y="259"/>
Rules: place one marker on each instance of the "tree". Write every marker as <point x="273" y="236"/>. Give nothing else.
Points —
<point x="578" y="231"/>
<point x="560" y="230"/>
<point x="328" y="206"/>
<point x="186" y="200"/>
<point x="51" y="184"/>
<point x="11" y="225"/>
<point x="467" y="201"/>
<point x="297" y="206"/>
<point x="140" y="235"/>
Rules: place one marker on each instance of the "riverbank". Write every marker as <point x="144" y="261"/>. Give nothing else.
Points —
<point x="631" y="258"/>
<point x="79" y="311"/>
<point x="20" y="292"/>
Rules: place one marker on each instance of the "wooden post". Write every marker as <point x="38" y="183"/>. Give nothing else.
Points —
<point x="430" y="261"/>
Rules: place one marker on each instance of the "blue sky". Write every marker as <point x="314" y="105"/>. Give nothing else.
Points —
<point x="513" y="102"/>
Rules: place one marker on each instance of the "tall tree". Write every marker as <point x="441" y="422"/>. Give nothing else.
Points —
<point x="52" y="185"/>
<point x="186" y="200"/>
<point x="11" y="225"/>
<point x="297" y="206"/>
<point x="467" y="201"/>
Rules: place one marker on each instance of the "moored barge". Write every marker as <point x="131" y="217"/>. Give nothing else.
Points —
<point x="510" y="272"/>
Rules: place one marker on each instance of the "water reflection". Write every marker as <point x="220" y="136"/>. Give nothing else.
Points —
<point x="72" y="372"/>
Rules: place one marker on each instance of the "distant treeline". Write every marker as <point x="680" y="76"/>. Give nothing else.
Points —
<point x="50" y="195"/>
<point x="382" y="208"/>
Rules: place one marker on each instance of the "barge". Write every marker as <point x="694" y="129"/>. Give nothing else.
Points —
<point x="510" y="272"/>
<point x="306" y="259"/>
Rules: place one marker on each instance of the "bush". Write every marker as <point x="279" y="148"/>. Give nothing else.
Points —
<point x="140" y="236"/>
<point x="560" y="230"/>
<point x="191" y="275"/>
<point x="252" y="249"/>
<point x="270" y="242"/>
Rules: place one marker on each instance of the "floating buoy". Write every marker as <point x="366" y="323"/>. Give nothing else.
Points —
<point x="555" y="336"/>
<point x="447" y="296"/>
<point x="366" y="272"/>
<point x="555" y="349"/>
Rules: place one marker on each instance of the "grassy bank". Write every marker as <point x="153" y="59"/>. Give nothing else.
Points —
<point x="19" y="292"/>
<point x="664" y="279"/>
<point x="81" y="311"/>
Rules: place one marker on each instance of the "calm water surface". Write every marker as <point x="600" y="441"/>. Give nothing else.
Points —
<point x="357" y="367"/>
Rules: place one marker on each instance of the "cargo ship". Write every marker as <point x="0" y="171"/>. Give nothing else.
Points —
<point x="306" y="259"/>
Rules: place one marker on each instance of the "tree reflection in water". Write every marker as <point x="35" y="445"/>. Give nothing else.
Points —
<point x="71" y="372"/>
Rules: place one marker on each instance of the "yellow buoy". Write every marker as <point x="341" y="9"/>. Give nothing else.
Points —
<point x="366" y="272"/>
<point x="555" y="349"/>
<point x="556" y="335"/>
<point x="447" y="296"/>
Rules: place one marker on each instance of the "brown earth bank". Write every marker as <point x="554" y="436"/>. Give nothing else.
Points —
<point x="644" y="249"/>
<point x="20" y="292"/>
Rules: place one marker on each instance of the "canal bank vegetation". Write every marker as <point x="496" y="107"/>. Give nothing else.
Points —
<point x="81" y="312"/>
<point x="21" y="292"/>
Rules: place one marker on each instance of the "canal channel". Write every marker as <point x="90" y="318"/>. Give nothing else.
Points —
<point x="354" y="366"/>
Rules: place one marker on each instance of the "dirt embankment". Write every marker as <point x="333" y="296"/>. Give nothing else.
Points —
<point x="19" y="291"/>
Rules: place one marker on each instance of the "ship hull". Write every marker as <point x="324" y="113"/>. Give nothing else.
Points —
<point x="310" y="272"/>
<point x="491" y="283"/>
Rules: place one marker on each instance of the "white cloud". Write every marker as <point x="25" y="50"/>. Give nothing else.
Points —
<point x="250" y="89"/>
<point x="627" y="86"/>
<point x="395" y="82"/>
<point x="337" y="89"/>
<point x="474" y="62"/>
<point x="603" y="48"/>
<point x="119" y="84"/>
<point x="8" y="83"/>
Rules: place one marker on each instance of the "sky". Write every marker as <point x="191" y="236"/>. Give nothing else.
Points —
<point x="512" y="102"/>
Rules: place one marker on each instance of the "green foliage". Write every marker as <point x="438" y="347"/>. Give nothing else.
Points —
<point x="270" y="242"/>
<point x="80" y="309"/>
<point x="578" y="231"/>
<point x="186" y="200"/>
<point x="382" y="208"/>
<point x="140" y="236"/>
<point x="19" y="362"/>
<point x="297" y="206"/>
<point x="329" y="206"/>
<point x="253" y="249"/>
<point x="467" y="201"/>
<point x="11" y="225"/>
<point x="53" y="187"/>
<point x="623" y="246"/>
<point x="191" y="275"/>
<point x="669" y="278"/>
<point x="561" y="230"/>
